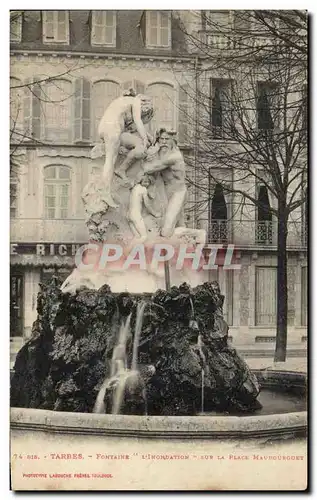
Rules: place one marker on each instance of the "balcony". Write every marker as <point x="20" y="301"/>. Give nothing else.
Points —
<point x="48" y="230"/>
<point x="256" y="234"/>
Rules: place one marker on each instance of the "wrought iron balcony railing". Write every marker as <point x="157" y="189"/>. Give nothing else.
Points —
<point x="264" y="232"/>
<point x="252" y="233"/>
<point x="219" y="231"/>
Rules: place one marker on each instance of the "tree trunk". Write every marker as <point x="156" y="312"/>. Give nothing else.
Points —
<point x="281" y="327"/>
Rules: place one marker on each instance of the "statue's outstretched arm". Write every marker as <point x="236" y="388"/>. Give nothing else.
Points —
<point x="136" y="113"/>
<point x="154" y="166"/>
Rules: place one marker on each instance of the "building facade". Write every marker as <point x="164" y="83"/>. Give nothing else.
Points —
<point x="66" y="66"/>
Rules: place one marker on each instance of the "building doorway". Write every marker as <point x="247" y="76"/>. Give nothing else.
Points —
<point x="16" y="305"/>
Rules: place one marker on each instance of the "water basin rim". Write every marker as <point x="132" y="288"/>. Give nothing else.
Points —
<point x="165" y="427"/>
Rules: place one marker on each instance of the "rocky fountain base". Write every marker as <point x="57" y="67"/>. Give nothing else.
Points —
<point x="188" y="403"/>
<point x="165" y="353"/>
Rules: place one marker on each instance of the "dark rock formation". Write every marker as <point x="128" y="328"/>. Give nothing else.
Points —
<point x="183" y="343"/>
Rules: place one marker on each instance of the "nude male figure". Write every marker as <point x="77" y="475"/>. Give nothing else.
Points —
<point x="139" y="197"/>
<point x="171" y="164"/>
<point x="122" y="112"/>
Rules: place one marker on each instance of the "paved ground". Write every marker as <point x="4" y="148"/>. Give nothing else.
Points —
<point x="291" y="364"/>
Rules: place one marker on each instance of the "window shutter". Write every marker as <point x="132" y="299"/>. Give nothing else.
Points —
<point x="97" y="26"/>
<point x="16" y="19"/>
<point x="183" y="115"/>
<point x="32" y="109"/>
<point x="153" y="28"/>
<point x="82" y="110"/>
<point x="86" y="111"/>
<point x="27" y="110"/>
<point x="77" y="110"/>
<point x="110" y="27"/>
<point x="62" y="19"/>
<point x="266" y="295"/>
<point x="36" y="110"/>
<point x="48" y="25"/>
<point x="164" y="28"/>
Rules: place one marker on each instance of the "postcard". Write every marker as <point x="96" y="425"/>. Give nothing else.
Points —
<point x="158" y="250"/>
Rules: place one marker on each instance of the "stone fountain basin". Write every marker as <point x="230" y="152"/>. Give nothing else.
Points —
<point x="284" y="424"/>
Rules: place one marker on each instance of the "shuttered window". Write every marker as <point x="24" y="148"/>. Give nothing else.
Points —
<point x="163" y="96"/>
<point x="56" y="107"/>
<point x="13" y="197"/>
<point x="266" y="296"/>
<point x="158" y="28"/>
<point x="56" y="26"/>
<point x="103" y="93"/>
<point x="57" y="183"/>
<point x="304" y="286"/>
<point x="104" y="28"/>
<point x="183" y="114"/>
<point x="16" y="26"/>
<point x="32" y="109"/>
<point x="82" y="112"/>
<point x="221" y="113"/>
<point x="16" y="109"/>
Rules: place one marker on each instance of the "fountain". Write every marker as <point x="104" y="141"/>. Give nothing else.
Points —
<point x="113" y="353"/>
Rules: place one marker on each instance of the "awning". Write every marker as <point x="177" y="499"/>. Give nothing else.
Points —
<point x="42" y="261"/>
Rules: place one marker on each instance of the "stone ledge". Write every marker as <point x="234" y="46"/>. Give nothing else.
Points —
<point x="194" y="427"/>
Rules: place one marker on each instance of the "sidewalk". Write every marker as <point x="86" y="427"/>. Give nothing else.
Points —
<point x="293" y="364"/>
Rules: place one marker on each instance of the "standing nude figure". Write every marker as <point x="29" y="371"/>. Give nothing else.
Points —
<point x="121" y="113"/>
<point x="170" y="163"/>
<point x="139" y="197"/>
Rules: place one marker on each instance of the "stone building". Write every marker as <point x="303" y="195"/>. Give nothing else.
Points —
<point x="92" y="57"/>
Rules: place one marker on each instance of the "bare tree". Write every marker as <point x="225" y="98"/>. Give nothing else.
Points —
<point x="250" y="122"/>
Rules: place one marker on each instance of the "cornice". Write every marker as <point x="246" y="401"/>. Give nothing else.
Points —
<point x="97" y="55"/>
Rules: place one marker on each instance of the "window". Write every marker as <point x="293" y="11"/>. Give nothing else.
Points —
<point x="158" y="28"/>
<point x="221" y="116"/>
<point x="218" y="19"/>
<point x="183" y="114"/>
<point x="218" y="217"/>
<point x="16" y="26"/>
<point x="82" y="112"/>
<point x="304" y="295"/>
<point x="264" y="226"/>
<point x="134" y="84"/>
<point x="13" y="197"/>
<point x="267" y="106"/>
<point x="163" y="96"/>
<point x="265" y="296"/>
<point x="16" y="109"/>
<point x="56" y="26"/>
<point x="56" y="106"/>
<point x="57" y="183"/>
<point x="103" y="31"/>
<point x="103" y="93"/>
<point x="242" y="26"/>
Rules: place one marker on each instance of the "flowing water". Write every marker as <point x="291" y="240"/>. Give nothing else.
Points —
<point x="120" y="374"/>
<point x="119" y="352"/>
<point x="138" y="327"/>
<point x="193" y="324"/>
